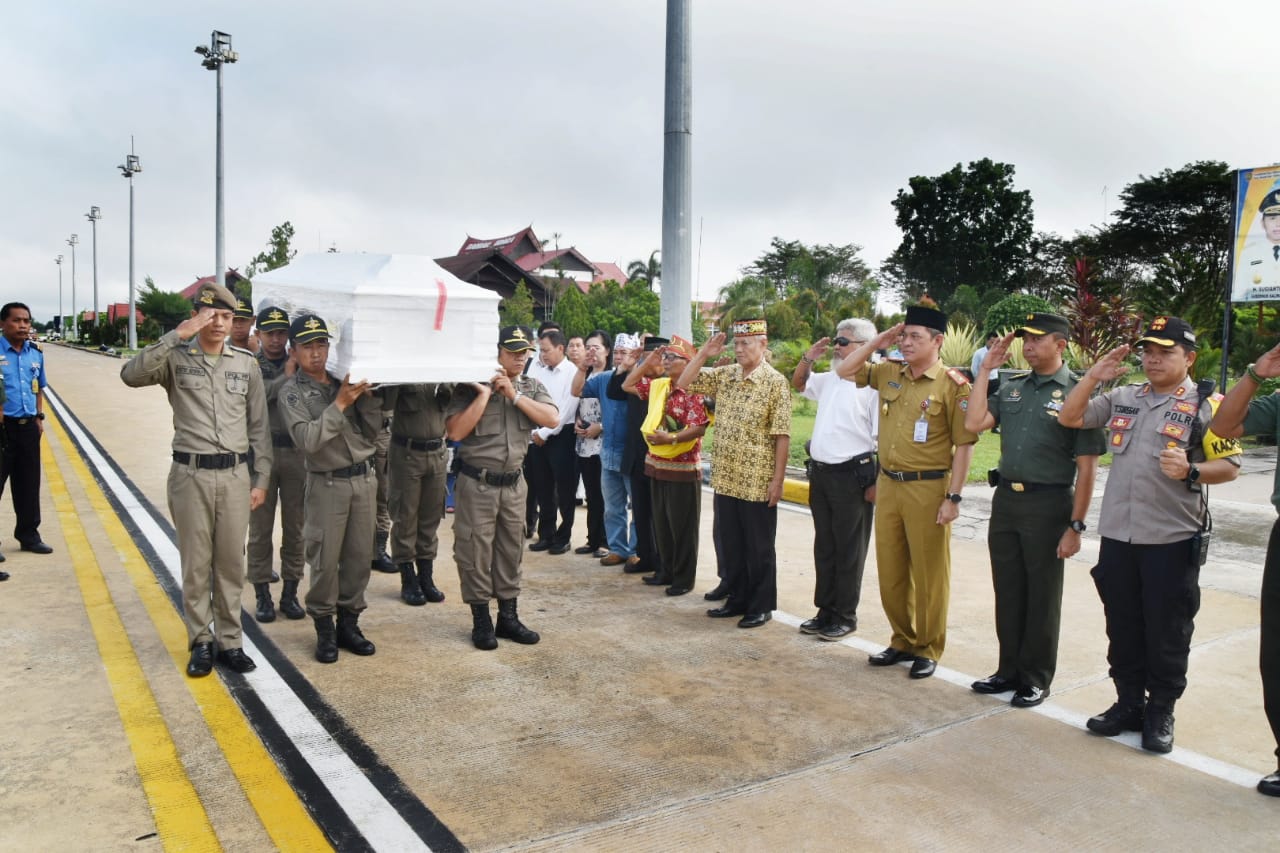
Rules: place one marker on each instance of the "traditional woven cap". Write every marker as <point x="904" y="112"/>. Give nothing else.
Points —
<point x="756" y="326"/>
<point x="516" y="338"/>
<point x="273" y="318"/>
<point x="1044" y="324"/>
<point x="308" y="327"/>
<point x="1169" y="331"/>
<point x="626" y="340"/>
<point x="681" y="347"/>
<point x="213" y="295"/>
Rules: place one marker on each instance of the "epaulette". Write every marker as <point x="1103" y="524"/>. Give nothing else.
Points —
<point x="957" y="377"/>
<point x="1023" y="375"/>
<point x="235" y="348"/>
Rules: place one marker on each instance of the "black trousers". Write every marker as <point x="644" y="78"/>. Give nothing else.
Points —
<point x="677" y="513"/>
<point x="642" y="515"/>
<point x="20" y="469"/>
<point x="1269" y="653"/>
<point x="842" y="522"/>
<point x="747" y="531"/>
<point x="1150" y="595"/>
<point x="553" y="470"/>
<point x="590" y="468"/>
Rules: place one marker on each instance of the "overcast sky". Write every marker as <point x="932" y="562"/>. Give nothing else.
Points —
<point x="404" y="126"/>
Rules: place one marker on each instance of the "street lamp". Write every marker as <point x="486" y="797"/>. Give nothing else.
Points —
<point x="58" y="261"/>
<point x="131" y="167"/>
<point x="75" y="318"/>
<point x="215" y="55"/>
<point x="93" y="216"/>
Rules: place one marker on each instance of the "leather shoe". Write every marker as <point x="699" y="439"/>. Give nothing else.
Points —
<point x="677" y="590"/>
<point x="1029" y="696"/>
<point x="923" y="668"/>
<point x="1270" y="785"/>
<point x="612" y="559"/>
<point x="540" y="545"/>
<point x="1" y="558"/>
<point x="835" y="631"/>
<point x="559" y="549"/>
<point x="201" y="663"/>
<point x="37" y="547"/>
<point x="720" y="593"/>
<point x="754" y="620"/>
<point x="1157" y="728"/>
<point x="635" y="567"/>
<point x="236" y="660"/>
<point x="889" y="657"/>
<point x="584" y="549"/>
<point x="816" y="624"/>
<point x="725" y="612"/>
<point x="600" y="552"/>
<point x="4" y="576"/>
<point x="994" y="684"/>
<point x="655" y="580"/>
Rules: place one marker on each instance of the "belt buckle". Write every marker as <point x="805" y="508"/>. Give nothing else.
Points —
<point x="1018" y="487"/>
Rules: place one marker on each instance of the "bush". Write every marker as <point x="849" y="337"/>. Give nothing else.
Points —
<point x="1012" y="311"/>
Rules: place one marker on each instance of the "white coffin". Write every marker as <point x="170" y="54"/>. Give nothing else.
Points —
<point x="394" y="318"/>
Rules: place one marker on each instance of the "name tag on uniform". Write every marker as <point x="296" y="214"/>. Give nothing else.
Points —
<point x="922" y="430"/>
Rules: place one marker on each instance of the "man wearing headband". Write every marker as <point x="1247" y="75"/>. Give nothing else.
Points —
<point x="219" y="414"/>
<point x="924" y="460"/>
<point x="1163" y="454"/>
<point x="748" y="465"/>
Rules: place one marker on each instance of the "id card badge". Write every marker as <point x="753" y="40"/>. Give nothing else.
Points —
<point x="922" y="430"/>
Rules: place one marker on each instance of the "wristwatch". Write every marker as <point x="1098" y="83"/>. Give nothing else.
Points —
<point x="1078" y="526"/>
<point x="39" y="416"/>
<point x="1193" y="476"/>
<point x="954" y="497"/>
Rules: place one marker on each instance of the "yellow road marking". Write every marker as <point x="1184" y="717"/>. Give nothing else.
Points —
<point x="279" y="809"/>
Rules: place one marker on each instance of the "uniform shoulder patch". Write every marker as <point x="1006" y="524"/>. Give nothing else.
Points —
<point x="957" y="377"/>
<point x="235" y="348"/>
<point x="291" y="397"/>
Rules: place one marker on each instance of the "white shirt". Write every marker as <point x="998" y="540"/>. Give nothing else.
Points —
<point x="846" y="425"/>
<point x="976" y="364"/>
<point x="559" y="383"/>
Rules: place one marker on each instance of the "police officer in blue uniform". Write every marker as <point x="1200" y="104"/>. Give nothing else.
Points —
<point x="22" y="364"/>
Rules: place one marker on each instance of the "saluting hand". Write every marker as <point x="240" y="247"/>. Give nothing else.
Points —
<point x="998" y="354"/>
<point x="1111" y="366"/>
<point x="1268" y="364"/>
<point x="191" y="326"/>
<point x="714" y="345"/>
<point x="653" y="362"/>
<point x="888" y="337"/>
<point x="818" y="350"/>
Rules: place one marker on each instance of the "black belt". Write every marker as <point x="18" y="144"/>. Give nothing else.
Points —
<point x="347" y="473"/>
<point x="912" y="476"/>
<point x="418" y="443"/>
<point x="22" y="421"/>
<point x="212" y="461"/>
<point x="281" y="439"/>
<point x="848" y="465"/>
<point x="508" y="478"/>
<point x="1034" y="487"/>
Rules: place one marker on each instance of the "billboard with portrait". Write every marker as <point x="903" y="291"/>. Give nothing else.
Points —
<point x="1256" y="249"/>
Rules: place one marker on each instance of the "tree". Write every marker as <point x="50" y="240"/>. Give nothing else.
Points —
<point x="745" y="299"/>
<point x="166" y="308"/>
<point x="573" y="313"/>
<point x="965" y="226"/>
<point x="278" y="252"/>
<point x="649" y="272"/>
<point x="1099" y="322"/>
<point x="1012" y="311"/>
<point x="517" y="309"/>
<point x="615" y="308"/>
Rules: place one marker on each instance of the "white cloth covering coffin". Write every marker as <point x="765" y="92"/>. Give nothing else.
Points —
<point x="394" y="318"/>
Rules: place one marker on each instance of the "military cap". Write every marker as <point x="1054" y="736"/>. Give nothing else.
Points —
<point x="214" y="295"/>
<point x="1169" y="331"/>
<point x="1270" y="204"/>
<point x="516" y="338"/>
<point x="308" y="327"/>
<point x="1042" y="323"/>
<point x="273" y="318"/>
<point x="243" y="309"/>
<point x="930" y="318"/>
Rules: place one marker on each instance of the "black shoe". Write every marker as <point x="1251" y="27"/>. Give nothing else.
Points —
<point x="410" y="592"/>
<point x="426" y="580"/>
<point x="600" y="553"/>
<point x="994" y="684"/>
<point x="725" y="612"/>
<point x="835" y="631"/>
<point x="528" y="534"/>
<point x="889" y="657"/>
<point x="1120" y="717"/>
<point x="720" y="593"/>
<point x="655" y="580"/>
<point x="754" y="620"/>
<point x="1029" y="696"/>
<point x="509" y="626"/>
<point x="586" y="549"/>
<point x="275" y="576"/>
<point x="559" y="549"/>
<point x="236" y="660"/>
<point x="4" y="576"/>
<point x="635" y="567"/>
<point x="677" y="590"/>
<point x="381" y="561"/>
<point x="1" y="558"/>
<point x="923" y="668"/>
<point x="1270" y="785"/>
<point x="482" y="636"/>
<point x="201" y="663"/>
<point x="1157" y="728"/>
<point x="266" y="610"/>
<point x="540" y="545"/>
<point x="816" y="624"/>
<point x="289" y="605"/>
<point x="349" y="635"/>
<point x="37" y="547"/>
<point x="326" y="639"/>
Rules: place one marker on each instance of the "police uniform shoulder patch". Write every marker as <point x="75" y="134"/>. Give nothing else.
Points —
<point x="292" y="397"/>
<point x="957" y="377"/>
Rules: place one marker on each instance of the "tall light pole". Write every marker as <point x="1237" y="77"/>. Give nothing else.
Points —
<point x="58" y="261"/>
<point x="215" y="55"/>
<point x="73" y="241"/>
<point x="677" y="175"/>
<point x="131" y="167"/>
<point x="94" y="214"/>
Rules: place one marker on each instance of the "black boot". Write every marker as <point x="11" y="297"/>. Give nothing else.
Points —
<point x="326" y="640"/>
<point x="381" y="561"/>
<point x="509" y="625"/>
<point x="349" y="636"/>
<point x="289" y="605"/>
<point x="1157" y="727"/>
<point x="426" y="584"/>
<point x="410" y="592"/>
<point x="482" y="628"/>
<point x="266" y="610"/>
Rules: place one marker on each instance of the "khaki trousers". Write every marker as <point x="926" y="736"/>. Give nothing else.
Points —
<point x="417" y="502"/>
<point x="338" y="536"/>
<point x="913" y="556"/>
<point x="286" y="488"/>
<point x="488" y="538"/>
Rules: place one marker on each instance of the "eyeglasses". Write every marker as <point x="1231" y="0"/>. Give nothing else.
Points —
<point x="673" y="356"/>
<point x="842" y="341"/>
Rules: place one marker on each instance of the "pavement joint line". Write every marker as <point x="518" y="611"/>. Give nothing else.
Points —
<point x="180" y="818"/>
<point x="380" y="824"/>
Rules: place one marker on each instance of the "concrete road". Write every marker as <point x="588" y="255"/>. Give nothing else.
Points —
<point x="636" y="724"/>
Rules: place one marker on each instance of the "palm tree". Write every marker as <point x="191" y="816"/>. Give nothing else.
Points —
<point x="650" y="273"/>
<point x="745" y="298"/>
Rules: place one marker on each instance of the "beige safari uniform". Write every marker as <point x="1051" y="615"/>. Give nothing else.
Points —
<point x="288" y="481"/>
<point x="913" y="552"/>
<point x="338" y="447"/>
<point x="488" y="521"/>
<point x="219" y="410"/>
<point x="418" y="464"/>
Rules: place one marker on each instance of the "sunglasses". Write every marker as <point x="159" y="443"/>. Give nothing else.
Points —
<point x="842" y="341"/>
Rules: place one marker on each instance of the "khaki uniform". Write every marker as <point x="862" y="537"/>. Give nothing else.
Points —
<point x="219" y="415"/>
<point x="913" y="552"/>
<point x="288" y="482"/>
<point x="488" y="522"/>
<point x="418" y="464"/>
<point x="341" y="488"/>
